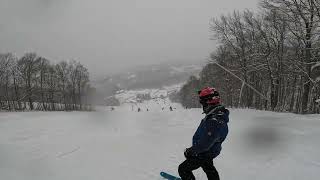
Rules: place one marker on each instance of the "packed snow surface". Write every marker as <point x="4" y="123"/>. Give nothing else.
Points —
<point x="125" y="144"/>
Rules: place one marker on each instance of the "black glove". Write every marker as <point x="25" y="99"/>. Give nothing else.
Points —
<point x="189" y="153"/>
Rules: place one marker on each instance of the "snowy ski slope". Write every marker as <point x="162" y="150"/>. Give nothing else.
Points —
<point x="124" y="144"/>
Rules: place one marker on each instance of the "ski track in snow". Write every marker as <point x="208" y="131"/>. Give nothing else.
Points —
<point x="125" y="144"/>
<point x="68" y="153"/>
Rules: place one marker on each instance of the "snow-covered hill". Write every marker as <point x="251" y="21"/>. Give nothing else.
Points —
<point x="146" y="77"/>
<point x="124" y="144"/>
<point x="148" y="99"/>
<point x="152" y="76"/>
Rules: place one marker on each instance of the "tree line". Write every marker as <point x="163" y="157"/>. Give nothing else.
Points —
<point x="32" y="82"/>
<point x="268" y="59"/>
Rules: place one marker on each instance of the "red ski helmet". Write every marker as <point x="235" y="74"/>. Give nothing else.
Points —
<point x="209" y="96"/>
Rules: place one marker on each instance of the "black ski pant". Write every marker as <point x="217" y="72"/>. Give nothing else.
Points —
<point x="190" y="164"/>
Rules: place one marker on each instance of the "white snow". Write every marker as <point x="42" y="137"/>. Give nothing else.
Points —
<point x="124" y="144"/>
<point x="159" y="96"/>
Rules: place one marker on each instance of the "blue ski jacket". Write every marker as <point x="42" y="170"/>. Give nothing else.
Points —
<point x="212" y="131"/>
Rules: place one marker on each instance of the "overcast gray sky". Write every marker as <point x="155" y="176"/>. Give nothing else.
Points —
<point x="111" y="35"/>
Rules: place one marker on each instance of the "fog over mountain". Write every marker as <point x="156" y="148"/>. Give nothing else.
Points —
<point x="110" y="35"/>
<point x="148" y="77"/>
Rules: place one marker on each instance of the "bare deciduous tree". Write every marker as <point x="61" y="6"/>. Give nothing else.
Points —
<point x="32" y="82"/>
<point x="266" y="60"/>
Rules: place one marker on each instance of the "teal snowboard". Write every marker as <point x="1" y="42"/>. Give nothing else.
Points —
<point x="169" y="176"/>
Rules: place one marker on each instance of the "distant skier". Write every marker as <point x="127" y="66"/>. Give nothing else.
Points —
<point x="171" y="108"/>
<point x="139" y="109"/>
<point x="207" y="140"/>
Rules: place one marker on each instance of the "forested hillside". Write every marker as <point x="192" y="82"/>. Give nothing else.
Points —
<point x="266" y="60"/>
<point x="32" y="82"/>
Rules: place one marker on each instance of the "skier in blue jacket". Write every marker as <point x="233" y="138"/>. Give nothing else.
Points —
<point x="207" y="140"/>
